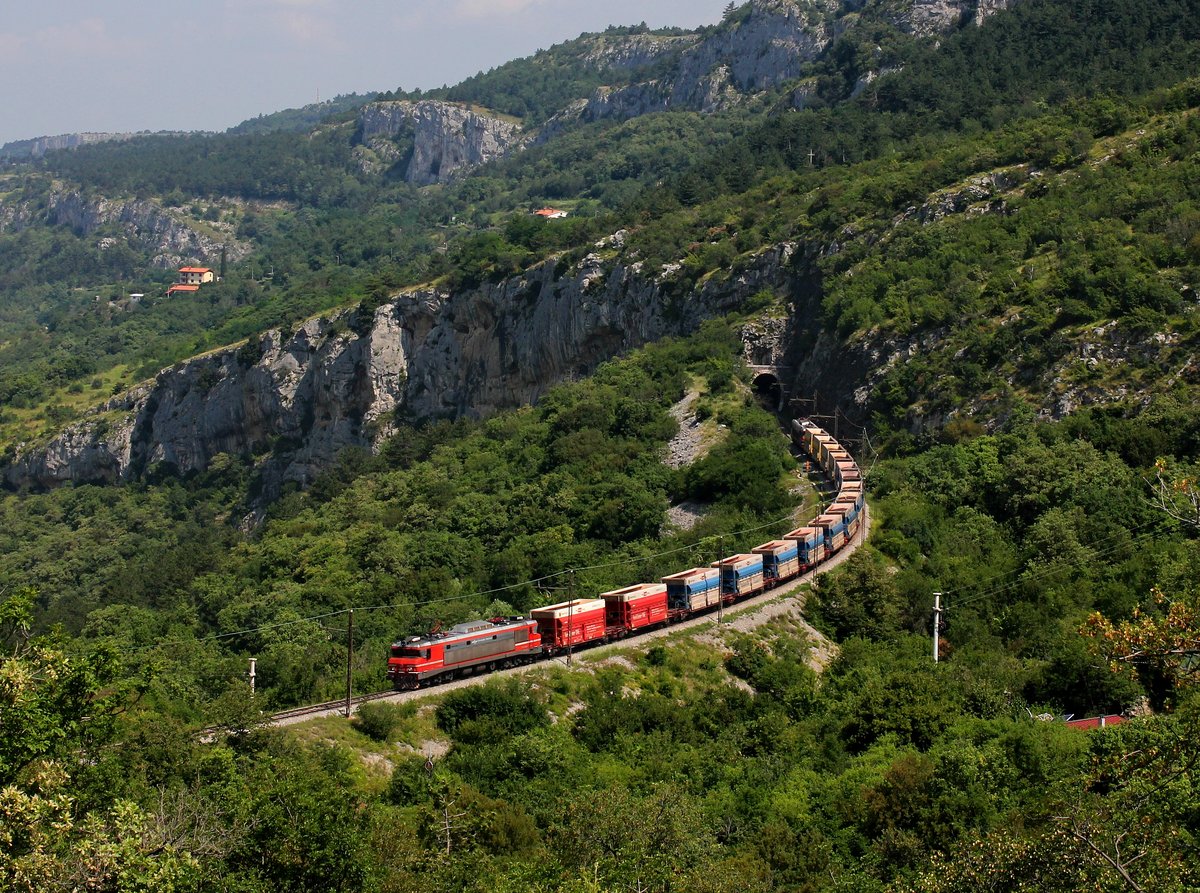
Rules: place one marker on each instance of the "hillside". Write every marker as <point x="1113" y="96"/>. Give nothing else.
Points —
<point x="320" y="231"/>
<point x="962" y="234"/>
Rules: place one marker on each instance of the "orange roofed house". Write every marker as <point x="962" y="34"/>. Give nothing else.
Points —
<point x="550" y="213"/>
<point x="190" y="279"/>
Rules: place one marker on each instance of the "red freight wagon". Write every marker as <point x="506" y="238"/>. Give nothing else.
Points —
<point x="781" y="559"/>
<point x="850" y="497"/>
<point x="848" y="511"/>
<point x="823" y="444"/>
<point x="841" y="510"/>
<point x="836" y="460"/>
<point x="482" y="644"/>
<point x="571" y="623"/>
<point x="636" y="607"/>
<point x="807" y="433"/>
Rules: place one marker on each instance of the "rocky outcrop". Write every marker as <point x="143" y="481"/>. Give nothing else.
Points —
<point x="448" y="139"/>
<point x="302" y="396"/>
<point x="631" y="52"/>
<point x="767" y="46"/>
<point x="983" y="193"/>
<point x="39" y="146"/>
<point x="926" y="18"/>
<point x="145" y="224"/>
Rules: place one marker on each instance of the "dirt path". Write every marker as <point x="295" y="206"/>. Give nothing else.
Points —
<point x="746" y="616"/>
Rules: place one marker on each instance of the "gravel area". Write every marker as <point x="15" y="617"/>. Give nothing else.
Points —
<point x="684" y="447"/>
<point x="686" y="515"/>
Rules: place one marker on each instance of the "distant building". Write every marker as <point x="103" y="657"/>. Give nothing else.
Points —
<point x="551" y="213"/>
<point x="195" y="275"/>
<point x="191" y="278"/>
<point x="1097" y="722"/>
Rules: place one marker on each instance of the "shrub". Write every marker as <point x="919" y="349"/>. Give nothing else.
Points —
<point x="380" y="721"/>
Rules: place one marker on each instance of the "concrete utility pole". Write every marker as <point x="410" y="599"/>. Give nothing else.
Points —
<point x="937" y="622"/>
<point x="570" y="614"/>
<point x="720" y="581"/>
<point x="349" y="659"/>
<point x="253" y="661"/>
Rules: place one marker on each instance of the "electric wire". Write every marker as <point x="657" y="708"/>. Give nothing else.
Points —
<point x="453" y="598"/>
<point x="1028" y="578"/>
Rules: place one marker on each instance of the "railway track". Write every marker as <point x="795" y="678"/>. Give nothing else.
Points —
<point x="845" y="524"/>
<point x="332" y="708"/>
<point x="328" y="707"/>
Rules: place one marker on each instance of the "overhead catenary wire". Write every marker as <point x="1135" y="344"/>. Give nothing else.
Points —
<point x="1023" y="577"/>
<point x="448" y="599"/>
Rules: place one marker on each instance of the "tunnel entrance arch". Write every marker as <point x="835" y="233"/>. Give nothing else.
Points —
<point x="768" y="387"/>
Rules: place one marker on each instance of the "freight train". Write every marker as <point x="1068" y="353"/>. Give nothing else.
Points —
<point x="482" y="646"/>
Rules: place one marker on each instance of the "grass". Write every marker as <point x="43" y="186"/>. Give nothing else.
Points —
<point x="36" y="423"/>
<point x="417" y="729"/>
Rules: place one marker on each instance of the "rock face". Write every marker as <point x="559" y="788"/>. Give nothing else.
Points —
<point x="303" y="396"/>
<point x="762" y="48"/>
<point x="448" y="139"/>
<point x="144" y="223"/>
<point x="39" y="146"/>
<point x="768" y="46"/>
<point x="634" y="51"/>
<point x="924" y="18"/>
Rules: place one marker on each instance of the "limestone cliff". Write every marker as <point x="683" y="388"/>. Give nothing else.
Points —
<point x="146" y="224"/>
<point x="302" y="396"/>
<point x="39" y="146"/>
<point x="630" y="52"/>
<point x="763" y="45"/>
<point x="925" y="18"/>
<point x="448" y="139"/>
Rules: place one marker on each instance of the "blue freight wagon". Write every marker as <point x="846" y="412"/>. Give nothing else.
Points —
<point x="693" y="589"/>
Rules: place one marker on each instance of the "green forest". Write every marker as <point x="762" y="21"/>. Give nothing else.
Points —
<point x="996" y="240"/>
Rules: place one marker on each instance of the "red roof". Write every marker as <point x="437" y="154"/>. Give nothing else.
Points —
<point x="1097" y="722"/>
<point x="180" y="287"/>
<point x="549" y="212"/>
<point x="194" y="270"/>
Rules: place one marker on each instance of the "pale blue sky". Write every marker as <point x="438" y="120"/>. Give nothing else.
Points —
<point x="69" y="65"/>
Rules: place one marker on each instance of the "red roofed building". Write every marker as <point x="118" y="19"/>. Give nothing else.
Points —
<point x="195" y="275"/>
<point x="1097" y="722"/>
<point x="181" y="286"/>
<point x="551" y="213"/>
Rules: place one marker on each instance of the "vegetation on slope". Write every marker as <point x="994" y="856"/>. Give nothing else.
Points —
<point x="450" y="521"/>
<point x="656" y="770"/>
<point x="329" y="231"/>
<point x="659" y="771"/>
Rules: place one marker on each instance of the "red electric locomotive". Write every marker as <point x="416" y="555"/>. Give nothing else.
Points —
<point x="478" y="646"/>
